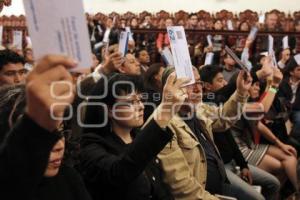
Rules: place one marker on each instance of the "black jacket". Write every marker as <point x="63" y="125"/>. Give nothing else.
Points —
<point x="225" y="142"/>
<point x="115" y="170"/>
<point x="285" y="91"/>
<point x="23" y="160"/>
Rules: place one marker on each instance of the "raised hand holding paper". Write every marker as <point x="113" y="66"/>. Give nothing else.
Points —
<point x="123" y="42"/>
<point x="209" y="40"/>
<point x="180" y="52"/>
<point x="130" y="38"/>
<point x="209" y="58"/>
<point x="229" y="25"/>
<point x="253" y="33"/>
<point x="261" y="18"/>
<point x="271" y="44"/>
<point x="285" y="42"/>
<point x="17" y="39"/>
<point x="271" y="50"/>
<point x="59" y="27"/>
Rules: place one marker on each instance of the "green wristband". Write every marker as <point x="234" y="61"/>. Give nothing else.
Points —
<point x="273" y="90"/>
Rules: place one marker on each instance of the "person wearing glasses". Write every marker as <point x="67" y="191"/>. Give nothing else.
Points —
<point x="12" y="69"/>
<point x="191" y="163"/>
<point x="118" y="161"/>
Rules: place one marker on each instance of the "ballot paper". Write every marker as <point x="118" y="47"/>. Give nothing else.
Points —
<point x="209" y="58"/>
<point x="167" y="56"/>
<point x="271" y="50"/>
<point x="209" y="40"/>
<point x="59" y="27"/>
<point x="285" y="42"/>
<point x="229" y="25"/>
<point x="17" y="39"/>
<point x="253" y="33"/>
<point x="261" y="18"/>
<point x="297" y="58"/>
<point x="127" y="28"/>
<point x="28" y="42"/>
<point x="123" y="42"/>
<point x="1" y="34"/>
<point x="271" y="44"/>
<point x="180" y="52"/>
<point x="114" y="21"/>
<point x="236" y="59"/>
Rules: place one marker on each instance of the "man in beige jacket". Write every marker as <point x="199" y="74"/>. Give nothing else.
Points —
<point x="191" y="163"/>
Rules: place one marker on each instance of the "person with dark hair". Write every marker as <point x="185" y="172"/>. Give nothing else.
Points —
<point x="230" y="153"/>
<point x="153" y="88"/>
<point x="192" y="21"/>
<point x="143" y="58"/>
<point x="31" y="156"/>
<point x="212" y="77"/>
<point x="12" y="105"/>
<point x="229" y="67"/>
<point x="12" y="69"/>
<point x="289" y="90"/>
<point x="147" y="22"/>
<point x="285" y="55"/>
<point x="117" y="160"/>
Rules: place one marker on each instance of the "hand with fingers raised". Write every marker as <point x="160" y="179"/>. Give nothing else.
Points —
<point x="243" y="83"/>
<point x="49" y="90"/>
<point x="174" y="95"/>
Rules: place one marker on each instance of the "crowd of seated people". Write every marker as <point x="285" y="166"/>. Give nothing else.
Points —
<point x="130" y="129"/>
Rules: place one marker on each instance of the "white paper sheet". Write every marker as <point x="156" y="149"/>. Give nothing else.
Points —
<point x="209" y="58"/>
<point x="17" y="39"/>
<point x="180" y="52"/>
<point x="123" y="42"/>
<point x="167" y="56"/>
<point x="59" y="27"/>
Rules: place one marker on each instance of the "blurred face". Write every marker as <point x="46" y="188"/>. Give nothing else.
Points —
<point x="12" y="73"/>
<point x="128" y="111"/>
<point x="147" y="19"/>
<point x="218" y="82"/>
<point x="262" y="60"/>
<point x="169" y="22"/>
<point x="158" y="77"/>
<point x="194" y="91"/>
<point x="286" y="54"/>
<point x="254" y="90"/>
<point x="134" y="22"/>
<point x="131" y="66"/>
<point x="194" y="20"/>
<point x="244" y="27"/>
<point x="271" y="21"/>
<point x="109" y="23"/>
<point x="296" y="73"/>
<point x="55" y="159"/>
<point x="144" y="57"/>
<point x="297" y="27"/>
<point x="218" y="25"/>
<point x="29" y="56"/>
<point x="229" y="61"/>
